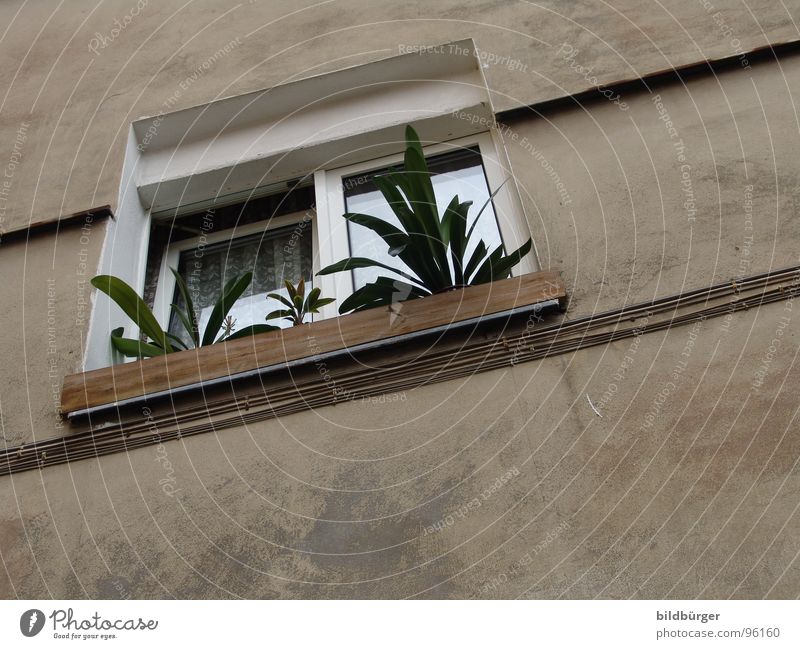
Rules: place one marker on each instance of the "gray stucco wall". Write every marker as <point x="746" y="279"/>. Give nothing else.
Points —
<point x="502" y="485"/>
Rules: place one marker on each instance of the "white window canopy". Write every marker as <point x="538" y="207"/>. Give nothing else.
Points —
<point x="242" y="143"/>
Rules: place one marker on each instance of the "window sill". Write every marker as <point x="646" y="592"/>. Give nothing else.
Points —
<point x="193" y="369"/>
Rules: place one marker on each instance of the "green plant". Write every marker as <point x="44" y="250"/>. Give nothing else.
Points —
<point x="298" y="305"/>
<point x="434" y="248"/>
<point x="157" y="341"/>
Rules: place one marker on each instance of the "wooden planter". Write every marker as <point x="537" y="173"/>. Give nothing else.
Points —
<point x="160" y="374"/>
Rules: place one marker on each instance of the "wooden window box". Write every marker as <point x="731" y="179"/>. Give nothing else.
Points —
<point x="180" y="371"/>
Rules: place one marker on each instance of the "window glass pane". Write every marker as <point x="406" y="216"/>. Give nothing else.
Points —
<point x="168" y="229"/>
<point x="271" y="256"/>
<point x="460" y="172"/>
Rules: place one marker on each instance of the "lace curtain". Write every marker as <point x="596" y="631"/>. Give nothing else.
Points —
<point x="271" y="256"/>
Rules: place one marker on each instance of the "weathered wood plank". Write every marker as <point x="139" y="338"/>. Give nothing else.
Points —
<point x="129" y="380"/>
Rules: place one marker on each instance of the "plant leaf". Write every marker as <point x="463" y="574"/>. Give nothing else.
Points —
<point x="395" y="238"/>
<point x="134" y="307"/>
<point x="362" y="262"/>
<point x="280" y="313"/>
<point x="422" y="198"/>
<point x="184" y="321"/>
<point x="133" y="348"/>
<point x="383" y="291"/>
<point x="416" y="255"/>
<point x="230" y="293"/>
<point x="175" y="339"/>
<point x="485" y="273"/>
<point x="502" y="269"/>
<point x="478" y="255"/>
<point x="251" y="330"/>
<point x="432" y="248"/>
<point x="457" y="220"/>
<point x="188" y="318"/>
<point x="310" y="300"/>
<point x="390" y="185"/>
<point x="290" y="288"/>
<point x="281" y="299"/>
<point x="323" y="302"/>
<point x="447" y="217"/>
<point x="485" y="205"/>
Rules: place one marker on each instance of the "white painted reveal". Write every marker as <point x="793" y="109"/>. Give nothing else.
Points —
<point x="289" y="131"/>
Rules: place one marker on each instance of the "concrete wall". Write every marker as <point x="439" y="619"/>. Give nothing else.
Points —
<point x="395" y="499"/>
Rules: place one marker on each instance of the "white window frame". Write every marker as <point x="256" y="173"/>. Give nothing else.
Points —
<point x="330" y="238"/>
<point x="165" y="289"/>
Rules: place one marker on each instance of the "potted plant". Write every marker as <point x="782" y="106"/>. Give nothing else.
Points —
<point x="432" y="246"/>
<point x="298" y="306"/>
<point x="156" y="340"/>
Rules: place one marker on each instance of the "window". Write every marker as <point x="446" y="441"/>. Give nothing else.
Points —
<point x="211" y="247"/>
<point x="459" y="172"/>
<point x="281" y="236"/>
<point x="235" y="159"/>
<point x="469" y="167"/>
